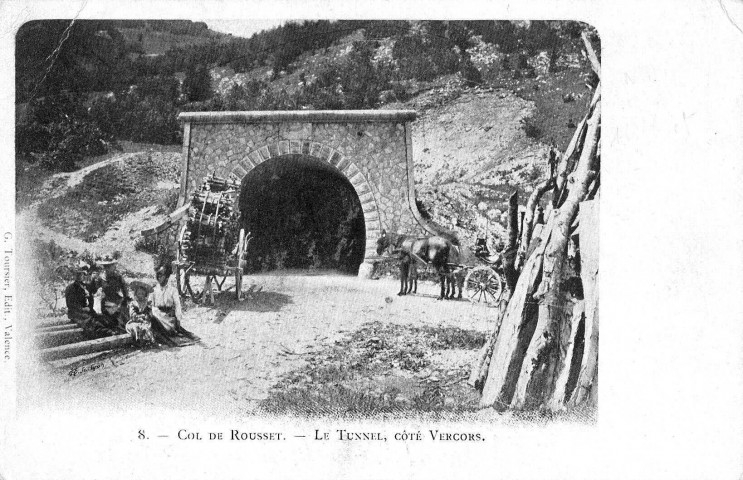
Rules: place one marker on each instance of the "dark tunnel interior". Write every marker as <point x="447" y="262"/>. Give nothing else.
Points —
<point x="302" y="214"/>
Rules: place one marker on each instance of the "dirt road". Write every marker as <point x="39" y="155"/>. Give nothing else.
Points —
<point x="246" y="347"/>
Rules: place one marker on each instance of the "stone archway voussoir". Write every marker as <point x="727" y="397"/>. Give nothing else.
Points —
<point x="364" y="197"/>
<point x="239" y="170"/>
<point x="357" y="179"/>
<point x="372" y="236"/>
<point x="273" y="150"/>
<point x="325" y="153"/>
<point x="315" y="150"/>
<point x="350" y="170"/>
<point x="343" y="164"/>
<point x="295" y="147"/>
<point x="372" y="225"/>
<point x="252" y="158"/>
<point x="264" y="154"/>
<point x="336" y="158"/>
<point x="370" y="208"/>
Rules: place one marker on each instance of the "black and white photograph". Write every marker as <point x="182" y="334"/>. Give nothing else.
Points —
<point x="351" y="218"/>
<point x="358" y="239"/>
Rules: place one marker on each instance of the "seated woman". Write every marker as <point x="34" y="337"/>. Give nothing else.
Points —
<point x="141" y="324"/>
<point x="166" y="304"/>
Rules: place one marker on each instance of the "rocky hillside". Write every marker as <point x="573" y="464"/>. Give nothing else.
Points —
<point x="473" y="151"/>
<point x="488" y="111"/>
<point x="473" y="144"/>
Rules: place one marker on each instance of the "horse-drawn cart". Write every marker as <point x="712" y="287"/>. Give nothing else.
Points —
<point x="477" y="273"/>
<point x="473" y="269"/>
<point x="210" y="242"/>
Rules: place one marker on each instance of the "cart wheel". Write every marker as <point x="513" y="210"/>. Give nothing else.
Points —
<point x="242" y="246"/>
<point x="483" y="284"/>
<point x="239" y="283"/>
<point x="183" y="238"/>
<point x="180" y="279"/>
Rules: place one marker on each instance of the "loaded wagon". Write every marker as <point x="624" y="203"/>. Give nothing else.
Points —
<point x="210" y="242"/>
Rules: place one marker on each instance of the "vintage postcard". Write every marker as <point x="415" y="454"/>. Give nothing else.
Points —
<point x="312" y="247"/>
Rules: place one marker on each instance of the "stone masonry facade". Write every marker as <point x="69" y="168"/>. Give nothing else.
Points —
<point x="372" y="149"/>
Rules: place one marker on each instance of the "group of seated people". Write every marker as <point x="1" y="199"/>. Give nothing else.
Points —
<point x="148" y="314"/>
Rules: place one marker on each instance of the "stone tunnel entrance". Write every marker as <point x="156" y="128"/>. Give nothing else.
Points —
<point x="319" y="186"/>
<point x="302" y="213"/>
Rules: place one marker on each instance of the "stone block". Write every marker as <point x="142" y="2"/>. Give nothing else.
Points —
<point x="315" y="149"/>
<point x="372" y="217"/>
<point x="273" y="149"/>
<point x="265" y="154"/>
<point x="335" y="159"/>
<point x="362" y="189"/>
<point x="239" y="170"/>
<point x="366" y="270"/>
<point x="343" y="164"/>
<point x="357" y="181"/>
<point x="351" y="170"/>
<point x="325" y="152"/>
<point x="254" y="157"/>
<point x="369" y="207"/>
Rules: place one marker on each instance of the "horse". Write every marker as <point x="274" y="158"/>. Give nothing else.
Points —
<point x="456" y="275"/>
<point x="408" y="273"/>
<point x="433" y="250"/>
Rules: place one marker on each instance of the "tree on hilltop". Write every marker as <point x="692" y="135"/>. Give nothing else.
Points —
<point x="198" y="83"/>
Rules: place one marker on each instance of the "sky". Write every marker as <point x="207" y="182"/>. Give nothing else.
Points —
<point x="243" y="28"/>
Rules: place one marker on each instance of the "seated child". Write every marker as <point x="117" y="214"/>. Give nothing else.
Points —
<point x="114" y="317"/>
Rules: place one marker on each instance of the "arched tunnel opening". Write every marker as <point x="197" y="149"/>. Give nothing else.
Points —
<point x="302" y="214"/>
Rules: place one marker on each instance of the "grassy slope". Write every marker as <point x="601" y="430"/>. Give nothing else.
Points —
<point x="382" y="368"/>
<point x="107" y="195"/>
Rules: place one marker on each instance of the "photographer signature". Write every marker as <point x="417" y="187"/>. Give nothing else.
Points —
<point x="75" y="371"/>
